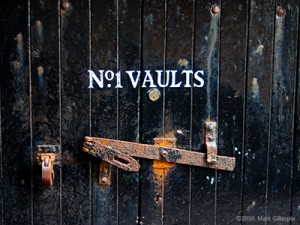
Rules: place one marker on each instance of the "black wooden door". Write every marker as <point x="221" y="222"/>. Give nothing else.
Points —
<point x="249" y="54"/>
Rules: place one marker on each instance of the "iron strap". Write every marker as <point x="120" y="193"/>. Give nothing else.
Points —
<point x="120" y="153"/>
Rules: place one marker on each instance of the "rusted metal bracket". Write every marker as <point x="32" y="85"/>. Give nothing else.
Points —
<point x="121" y="153"/>
<point x="211" y="141"/>
<point x="104" y="174"/>
<point x="47" y="156"/>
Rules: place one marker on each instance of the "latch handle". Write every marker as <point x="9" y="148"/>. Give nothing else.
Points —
<point x="110" y="155"/>
<point x="105" y="149"/>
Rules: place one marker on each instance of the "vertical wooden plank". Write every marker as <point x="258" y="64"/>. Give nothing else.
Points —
<point x="233" y="47"/>
<point x="179" y="56"/>
<point x="1" y="152"/>
<point x="295" y="212"/>
<point x="259" y="83"/>
<point x="75" y="111"/>
<point x="45" y="104"/>
<point x="15" y="126"/>
<point x="282" y="117"/>
<point x="2" y="31"/>
<point x="129" y="104"/>
<point x="104" y="106"/>
<point x="203" y="181"/>
<point x="153" y="45"/>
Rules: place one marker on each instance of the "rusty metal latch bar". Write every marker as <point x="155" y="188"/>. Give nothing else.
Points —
<point x="121" y="153"/>
<point x="109" y="154"/>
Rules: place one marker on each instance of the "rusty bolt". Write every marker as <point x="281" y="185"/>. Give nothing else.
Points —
<point x="104" y="181"/>
<point x="164" y="152"/>
<point x="280" y="11"/>
<point x="154" y="94"/>
<point x="215" y="9"/>
<point x="65" y="5"/>
<point x="210" y="126"/>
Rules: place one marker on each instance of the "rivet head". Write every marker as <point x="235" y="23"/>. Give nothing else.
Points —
<point x="163" y="152"/>
<point x="154" y="94"/>
<point x="215" y="9"/>
<point x="280" y="11"/>
<point x="104" y="181"/>
<point x="210" y="126"/>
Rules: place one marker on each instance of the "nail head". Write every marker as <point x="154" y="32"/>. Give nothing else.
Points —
<point x="215" y="9"/>
<point x="280" y="11"/>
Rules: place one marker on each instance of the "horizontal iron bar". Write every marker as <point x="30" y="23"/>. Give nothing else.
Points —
<point x="174" y="155"/>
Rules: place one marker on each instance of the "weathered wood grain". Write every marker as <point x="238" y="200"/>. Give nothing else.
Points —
<point x="233" y="51"/>
<point x="153" y="45"/>
<point x="295" y="207"/>
<point x="251" y="62"/>
<point x="282" y="112"/>
<point x="129" y="104"/>
<point x="16" y="176"/>
<point x="177" y="118"/>
<point x="46" y="105"/>
<point x="203" y="181"/>
<point x="104" y="106"/>
<point x="74" y="41"/>
<point x="259" y="85"/>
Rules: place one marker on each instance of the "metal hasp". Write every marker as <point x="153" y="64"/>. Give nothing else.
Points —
<point x="211" y="141"/>
<point x="121" y="153"/>
<point x="46" y="156"/>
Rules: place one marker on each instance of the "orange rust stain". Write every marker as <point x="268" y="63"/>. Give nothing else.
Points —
<point x="161" y="168"/>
